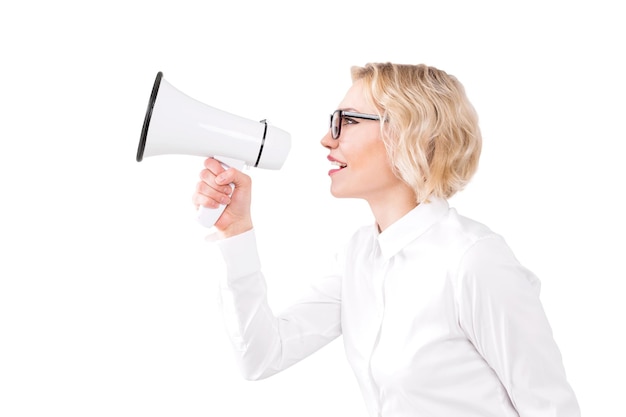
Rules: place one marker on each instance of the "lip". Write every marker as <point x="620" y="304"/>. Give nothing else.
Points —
<point x="335" y="170"/>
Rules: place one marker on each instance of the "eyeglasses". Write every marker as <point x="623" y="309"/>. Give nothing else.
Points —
<point x="338" y="116"/>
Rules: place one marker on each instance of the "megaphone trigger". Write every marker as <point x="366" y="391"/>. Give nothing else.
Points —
<point x="208" y="216"/>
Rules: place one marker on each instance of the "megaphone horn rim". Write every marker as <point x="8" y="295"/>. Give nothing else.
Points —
<point x="146" y="120"/>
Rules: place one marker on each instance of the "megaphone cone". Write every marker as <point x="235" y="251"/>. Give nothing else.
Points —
<point x="178" y="124"/>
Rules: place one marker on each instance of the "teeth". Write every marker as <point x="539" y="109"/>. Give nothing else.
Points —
<point x="339" y="164"/>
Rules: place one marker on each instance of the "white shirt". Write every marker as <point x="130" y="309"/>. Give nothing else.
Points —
<point x="438" y="319"/>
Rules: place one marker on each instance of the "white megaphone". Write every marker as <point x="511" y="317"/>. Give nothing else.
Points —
<point x="178" y="124"/>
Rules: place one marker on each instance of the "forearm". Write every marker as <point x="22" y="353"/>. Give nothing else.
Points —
<point x="250" y="323"/>
<point x="266" y="343"/>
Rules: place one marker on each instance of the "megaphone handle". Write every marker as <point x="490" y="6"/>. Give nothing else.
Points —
<point x="208" y="216"/>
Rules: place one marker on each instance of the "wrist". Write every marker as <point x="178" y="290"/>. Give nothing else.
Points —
<point x="235" y="229"/>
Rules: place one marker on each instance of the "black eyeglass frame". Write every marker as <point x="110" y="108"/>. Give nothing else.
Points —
<point x="345" y="113"/>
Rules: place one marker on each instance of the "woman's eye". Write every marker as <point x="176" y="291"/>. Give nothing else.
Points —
<point x="349" y="121"/>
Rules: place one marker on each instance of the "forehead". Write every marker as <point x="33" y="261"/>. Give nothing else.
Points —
<point x="355" y="98"/>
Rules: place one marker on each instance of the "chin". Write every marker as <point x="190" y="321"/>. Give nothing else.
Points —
<point x="335" y="192"/>
<point x="341" y="193"/>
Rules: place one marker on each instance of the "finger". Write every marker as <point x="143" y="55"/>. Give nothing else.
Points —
<point x="213" y="165"/>
<point x="210" y="201"/>
<point x="232" y="176"/>
<point x="212" y="190"/>
<point x="225" y="177"/>
<point x="220" y="195"/>
<point x="208" y="178"/>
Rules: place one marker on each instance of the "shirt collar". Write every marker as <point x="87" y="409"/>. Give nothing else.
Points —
<point x="412" y="225"/>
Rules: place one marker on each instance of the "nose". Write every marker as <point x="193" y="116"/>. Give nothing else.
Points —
<point x="328" y="142"/>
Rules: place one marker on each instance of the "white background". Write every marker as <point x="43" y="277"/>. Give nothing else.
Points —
<point x="107" y="289"/>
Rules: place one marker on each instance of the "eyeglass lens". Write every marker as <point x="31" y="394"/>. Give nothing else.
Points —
<point x="335" y="124"/>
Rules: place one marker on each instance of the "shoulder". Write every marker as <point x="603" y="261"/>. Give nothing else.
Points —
<point x="481" y="256"/>
<point x="458" y="234"/>
<point x="488" y="264"/>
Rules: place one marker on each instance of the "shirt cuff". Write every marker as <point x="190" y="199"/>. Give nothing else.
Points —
<point x="240" y="254"/>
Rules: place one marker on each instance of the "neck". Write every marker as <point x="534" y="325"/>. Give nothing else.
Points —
<point x="392" y="207"/>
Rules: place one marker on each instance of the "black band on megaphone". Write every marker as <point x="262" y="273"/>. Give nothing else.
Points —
<point x="146" y="120"/>
<point x="262" y="143"/>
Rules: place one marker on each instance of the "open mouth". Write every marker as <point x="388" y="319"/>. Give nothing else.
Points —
<point x="341" y="165"/>
<point x="336" y="163"/>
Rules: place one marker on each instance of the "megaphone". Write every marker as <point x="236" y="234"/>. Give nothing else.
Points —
<point x="178" y="124"/>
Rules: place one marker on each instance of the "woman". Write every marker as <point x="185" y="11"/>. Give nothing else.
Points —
<point x="437" y="316"/>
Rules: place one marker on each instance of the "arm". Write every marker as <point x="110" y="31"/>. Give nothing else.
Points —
<point x="265" y="343"/>
<point x="500" y="311"/>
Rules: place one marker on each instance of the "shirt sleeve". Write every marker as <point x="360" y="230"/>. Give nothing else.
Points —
<point x="266" y="343"/>
<point x="500" y="311"/>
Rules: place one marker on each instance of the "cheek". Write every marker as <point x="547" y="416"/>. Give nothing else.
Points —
<point x="375" y="157"/>
<point x="366" y="152"/>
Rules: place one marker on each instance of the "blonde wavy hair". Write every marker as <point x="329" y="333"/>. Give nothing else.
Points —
<point x="430" y="128"/>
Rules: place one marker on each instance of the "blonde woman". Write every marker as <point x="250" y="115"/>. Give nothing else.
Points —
<point x="438" y="317"/>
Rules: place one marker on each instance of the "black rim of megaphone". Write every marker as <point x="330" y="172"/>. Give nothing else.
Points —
<point x="146" y="120"/>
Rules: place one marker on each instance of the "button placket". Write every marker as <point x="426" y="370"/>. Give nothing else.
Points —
<point x="379" y="277"/>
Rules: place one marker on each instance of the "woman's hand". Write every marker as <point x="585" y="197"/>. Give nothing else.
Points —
<point x="214" y="189"/>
